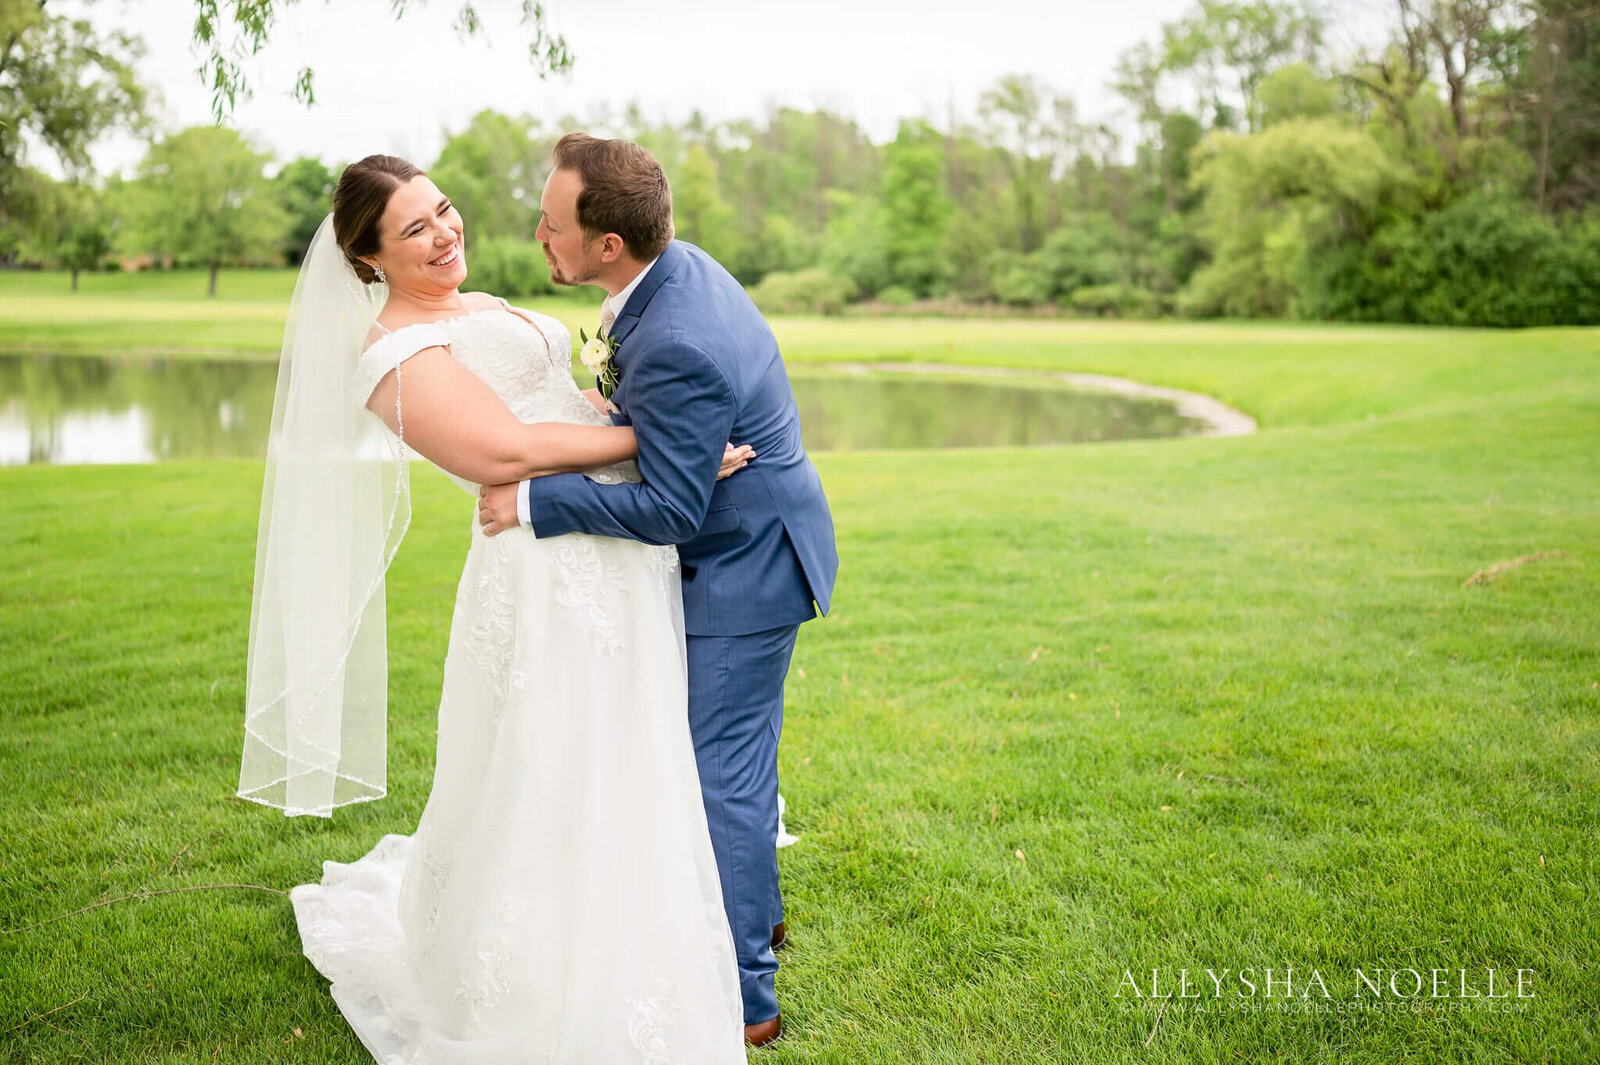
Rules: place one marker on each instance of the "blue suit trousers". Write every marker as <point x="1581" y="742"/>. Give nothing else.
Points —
<point x="736" y="717"/>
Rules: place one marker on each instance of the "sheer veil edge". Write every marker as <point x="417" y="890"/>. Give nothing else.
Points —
<point x="335" y="505"/>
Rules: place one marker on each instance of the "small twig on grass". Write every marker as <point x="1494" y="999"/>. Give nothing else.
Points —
<point x="1484" y="576"/>
<point x="1525" y="793"/>
<point x="139" y="895"/>
<point x="174" y="863"/>
<point x="1151" y="1037"/>
<point x="47" y="1013"/>
<point x="1225" y="780"/>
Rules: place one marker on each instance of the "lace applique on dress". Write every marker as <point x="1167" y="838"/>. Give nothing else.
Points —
<point x="582" y="572"/>
<point x="495" y="631"/>
<point x="438" y="870"/>
<point x="663" y="562"/>
<point x="648" y="1021"/>
<point x="489" y="983"/>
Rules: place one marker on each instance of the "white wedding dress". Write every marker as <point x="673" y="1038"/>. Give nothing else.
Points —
<point x="559" y="900"/>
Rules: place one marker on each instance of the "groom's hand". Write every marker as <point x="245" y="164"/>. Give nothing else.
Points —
<point x="497" y="507"/>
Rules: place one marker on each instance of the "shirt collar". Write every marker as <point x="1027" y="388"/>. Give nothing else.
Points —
<point x="620" y="300"/>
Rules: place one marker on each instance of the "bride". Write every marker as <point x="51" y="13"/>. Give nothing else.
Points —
<point x="559" y="900"/>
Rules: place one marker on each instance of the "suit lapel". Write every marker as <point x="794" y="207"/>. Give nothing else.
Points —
<point x="663" y="268"/>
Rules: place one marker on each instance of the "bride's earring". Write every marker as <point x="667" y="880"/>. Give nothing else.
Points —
<point x="378" y="271"/>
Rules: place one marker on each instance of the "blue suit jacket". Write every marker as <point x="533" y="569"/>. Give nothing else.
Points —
<point x="698" y="367"/>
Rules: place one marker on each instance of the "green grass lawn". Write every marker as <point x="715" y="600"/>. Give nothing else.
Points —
<point x="1197" y="703"/>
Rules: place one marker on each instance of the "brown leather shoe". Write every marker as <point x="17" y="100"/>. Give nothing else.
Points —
<point x="759" y="1035"/>
<point x="780" y="938"/>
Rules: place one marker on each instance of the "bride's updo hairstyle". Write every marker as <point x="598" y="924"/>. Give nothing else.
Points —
<point x="358" y="205"/>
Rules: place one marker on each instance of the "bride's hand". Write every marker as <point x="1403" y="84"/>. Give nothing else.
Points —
<point x="735" y="459"/>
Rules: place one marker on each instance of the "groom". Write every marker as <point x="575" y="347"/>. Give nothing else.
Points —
<point x="696" y="368"/>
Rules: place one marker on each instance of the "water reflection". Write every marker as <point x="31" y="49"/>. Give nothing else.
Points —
<point x="887" y="410"/>
<point x="86" y="410"/>
<point x="134" y="410"/>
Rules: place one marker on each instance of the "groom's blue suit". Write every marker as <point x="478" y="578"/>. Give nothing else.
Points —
<point x="698" y="367"/>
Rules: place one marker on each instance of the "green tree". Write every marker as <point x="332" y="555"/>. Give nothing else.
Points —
<point x="1484" y="260"/>
<point x="779" y="244"/>
<point x="1215" y="58"/>
<point x="203" y="195"/>
<point x="854" y="244"/>
<point x="493" y="171"/>
<point x="981" y="223"/>
<point x="1404" y="114"/>
<point x="784" y="170"/>
<point x="1463" y="41"/>
<point x="1443" y="83"/>
<point x="305" y="190"/>
<point x="74" y="232"/>
<point x="1034" y="131"/>
<point x="510" y="268"/>
<point x="63" y="85"/>
<point x="1277" y="199"/>
<point x="916" y="209"/>
<point x="1223" y="50"/>
<point x="700" y="214"/>
<point x="1088" y="250"/>
<point x="1179" y="135"/>
<point x="1294" y="91"/>
<point x="1556" y="93"/>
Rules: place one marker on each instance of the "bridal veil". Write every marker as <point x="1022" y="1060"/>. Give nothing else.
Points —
<point x="335" y="505"/>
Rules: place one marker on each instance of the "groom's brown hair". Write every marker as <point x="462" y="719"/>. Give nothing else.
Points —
<point x="625" y="192"/>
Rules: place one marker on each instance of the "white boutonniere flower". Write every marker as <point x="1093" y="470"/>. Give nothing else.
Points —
<point x="598" y="355"/>
<point x="594" y="355"/>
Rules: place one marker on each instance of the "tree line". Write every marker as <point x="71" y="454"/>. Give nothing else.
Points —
<point x="1449" y="175"/>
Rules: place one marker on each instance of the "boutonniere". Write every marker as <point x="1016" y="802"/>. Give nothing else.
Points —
<point x="599" y="357"/>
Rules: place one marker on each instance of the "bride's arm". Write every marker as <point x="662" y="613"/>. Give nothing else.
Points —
<point x="457" y="422"/>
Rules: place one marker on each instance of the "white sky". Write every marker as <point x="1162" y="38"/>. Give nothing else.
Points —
<point x="401" y="87"/>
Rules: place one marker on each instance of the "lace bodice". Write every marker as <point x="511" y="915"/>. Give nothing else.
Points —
<point x="522" y="355"/>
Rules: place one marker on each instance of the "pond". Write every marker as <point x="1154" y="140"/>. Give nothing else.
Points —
<point x="74" y="409"/>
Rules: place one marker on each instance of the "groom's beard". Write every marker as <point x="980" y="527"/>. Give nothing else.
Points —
<point x="561" y="278"/>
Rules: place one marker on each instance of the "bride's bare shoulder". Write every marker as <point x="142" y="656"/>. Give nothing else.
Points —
<point x="489" y="301"/>
<point x="481" y="301"/>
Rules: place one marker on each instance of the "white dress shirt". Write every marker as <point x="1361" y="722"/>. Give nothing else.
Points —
<point x="608" y="316"/>
<point x="613" y="304"/>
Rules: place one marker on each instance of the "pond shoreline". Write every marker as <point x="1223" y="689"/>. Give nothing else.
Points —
<point x="1218" y="418"/>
